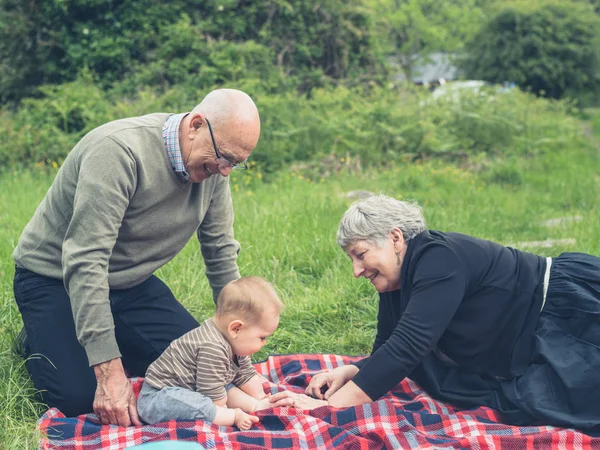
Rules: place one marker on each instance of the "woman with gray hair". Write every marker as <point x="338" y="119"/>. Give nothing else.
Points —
<point x="474" y="322"/>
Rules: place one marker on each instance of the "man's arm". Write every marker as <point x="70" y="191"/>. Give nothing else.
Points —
<point x="219" y="248"/>
<point x="106" y="180"/>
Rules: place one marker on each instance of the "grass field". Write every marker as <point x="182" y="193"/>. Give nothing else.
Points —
<point x="287" y="231"/>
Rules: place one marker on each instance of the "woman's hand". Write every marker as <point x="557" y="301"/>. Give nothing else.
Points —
<point x="332" y="380"/>
<point x="300" y="401"/>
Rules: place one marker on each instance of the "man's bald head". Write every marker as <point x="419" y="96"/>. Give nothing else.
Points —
<point x="232" y="113"/>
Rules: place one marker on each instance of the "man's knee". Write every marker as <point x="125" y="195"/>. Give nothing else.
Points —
<point x="66" y="388"/>
<point x="71" y="400"/>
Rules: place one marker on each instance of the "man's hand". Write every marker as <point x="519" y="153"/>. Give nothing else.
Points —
<point x="115" y="402"/>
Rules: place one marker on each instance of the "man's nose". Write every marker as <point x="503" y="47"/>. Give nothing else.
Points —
<point x="225" y="171"/>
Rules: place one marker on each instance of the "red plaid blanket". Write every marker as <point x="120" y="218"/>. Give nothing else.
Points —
<point x="406" y="418"/>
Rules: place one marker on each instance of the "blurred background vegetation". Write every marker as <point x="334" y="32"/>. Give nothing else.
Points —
<point x="329" y="77"/>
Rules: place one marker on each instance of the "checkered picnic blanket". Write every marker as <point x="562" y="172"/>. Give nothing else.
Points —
<point x="406" y="418"/>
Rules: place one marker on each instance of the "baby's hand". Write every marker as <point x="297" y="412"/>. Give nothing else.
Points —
<point x="244" y="421"/>
<point x="263" y="404"/>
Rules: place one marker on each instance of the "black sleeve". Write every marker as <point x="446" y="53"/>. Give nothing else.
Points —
<point x="439" y="285"/>
<point x="384" y="326"/>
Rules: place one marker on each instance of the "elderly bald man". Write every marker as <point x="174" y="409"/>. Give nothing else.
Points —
<point x="127" y="199"/>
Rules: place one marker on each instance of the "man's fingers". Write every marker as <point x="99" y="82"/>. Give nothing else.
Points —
<point x="133" y="412"/>
<point x="109" y="416"/>
<point x="122" y="417"/>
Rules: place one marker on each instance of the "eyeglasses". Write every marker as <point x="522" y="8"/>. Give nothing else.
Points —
<point x="222" y="160"/>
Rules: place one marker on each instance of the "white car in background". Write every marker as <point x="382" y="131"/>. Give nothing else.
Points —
<point x="451" y="90"/>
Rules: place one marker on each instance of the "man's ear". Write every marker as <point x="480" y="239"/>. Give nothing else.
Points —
<point x="196" y="122"/>
<point x="234" y="327"/>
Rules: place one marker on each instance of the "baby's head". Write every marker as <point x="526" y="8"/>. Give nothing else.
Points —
<point x="247" y="313"/>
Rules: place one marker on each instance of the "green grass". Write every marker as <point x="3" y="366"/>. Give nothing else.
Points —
<point x="287" y="231"/>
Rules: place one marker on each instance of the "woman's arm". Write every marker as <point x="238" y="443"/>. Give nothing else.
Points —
<point x="349" y="395"/>
<point x="437" y="290"/>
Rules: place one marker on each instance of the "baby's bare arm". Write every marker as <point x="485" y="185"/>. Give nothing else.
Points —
<point x="254" y="387"/>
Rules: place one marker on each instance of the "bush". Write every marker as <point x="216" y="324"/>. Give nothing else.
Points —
<point x="159" y="43"/>
<point x="368" y="125"/>
<point x="552" y="50"/>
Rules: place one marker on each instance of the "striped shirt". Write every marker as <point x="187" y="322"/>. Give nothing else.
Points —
<point x="200" y="360"/>
<point x="170" y="134"/>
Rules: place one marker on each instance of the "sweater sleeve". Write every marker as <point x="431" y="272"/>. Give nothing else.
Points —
<point x="439" y="285"/>
<point x="105" y="184"/>
<point x="219" y="248"/>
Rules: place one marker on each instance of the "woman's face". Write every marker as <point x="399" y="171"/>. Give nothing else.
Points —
<point x="379" y="264"/>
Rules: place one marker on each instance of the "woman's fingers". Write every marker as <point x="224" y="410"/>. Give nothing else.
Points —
<point x="316" y="383"/>
<point x="333" y="387"/>
<point x="284" y="398"/>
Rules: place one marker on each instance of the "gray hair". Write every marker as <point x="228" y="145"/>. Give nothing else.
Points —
<point x="372" y="219"/>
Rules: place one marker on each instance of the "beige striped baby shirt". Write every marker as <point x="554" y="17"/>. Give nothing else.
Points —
<point x="201" y="360"/>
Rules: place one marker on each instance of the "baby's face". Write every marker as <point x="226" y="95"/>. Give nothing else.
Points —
<point x="253" y="337"/>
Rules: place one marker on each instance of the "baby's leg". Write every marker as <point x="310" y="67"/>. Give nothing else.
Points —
<point x="236" y="398"/>
<point x="173" y="403"/>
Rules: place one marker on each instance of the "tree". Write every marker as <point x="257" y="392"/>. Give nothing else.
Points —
<point x="410" y="30"/>
<point x="50" y="41"/>
<point x="552" y="49"/>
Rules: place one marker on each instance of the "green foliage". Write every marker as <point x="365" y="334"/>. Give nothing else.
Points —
<point x="410" y="30"/>
<point x="287" y="232"/>
<point x="161" y="43"/>
<point x="551" y="49"/>
<point x="372" y="126"/>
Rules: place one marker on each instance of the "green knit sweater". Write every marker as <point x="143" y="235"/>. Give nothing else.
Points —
<point x="115" y="213"/>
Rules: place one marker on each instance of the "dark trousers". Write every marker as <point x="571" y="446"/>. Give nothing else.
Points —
<point x="147" y="319"/>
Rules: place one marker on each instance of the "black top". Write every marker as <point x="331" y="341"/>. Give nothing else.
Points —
<point x="478" y="301"/>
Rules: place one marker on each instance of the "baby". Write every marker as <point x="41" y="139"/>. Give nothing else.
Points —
<point x="207" y="373"/>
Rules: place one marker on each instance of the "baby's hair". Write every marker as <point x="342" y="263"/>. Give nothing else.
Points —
<point x="248" y="298"/>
